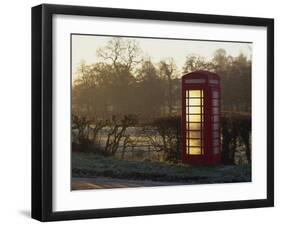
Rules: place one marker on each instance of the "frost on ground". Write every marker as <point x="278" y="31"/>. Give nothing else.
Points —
<point x="87" y="165"/>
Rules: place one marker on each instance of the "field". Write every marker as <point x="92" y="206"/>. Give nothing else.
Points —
<point x="110" y="172"/>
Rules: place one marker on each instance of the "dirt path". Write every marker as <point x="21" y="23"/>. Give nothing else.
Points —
<point x="104" y="182"/>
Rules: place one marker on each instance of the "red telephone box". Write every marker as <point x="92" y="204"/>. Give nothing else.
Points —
<point x="201" y="105"/>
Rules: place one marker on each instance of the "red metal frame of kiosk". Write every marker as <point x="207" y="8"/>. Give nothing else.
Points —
<point x="207" y="139"/>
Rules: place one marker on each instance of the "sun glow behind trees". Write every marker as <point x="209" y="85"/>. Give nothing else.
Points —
<point x="124" y="79"/>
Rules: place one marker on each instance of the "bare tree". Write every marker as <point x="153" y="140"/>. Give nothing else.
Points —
<point x="195" y="62"/>
<point x="120" y="52"/>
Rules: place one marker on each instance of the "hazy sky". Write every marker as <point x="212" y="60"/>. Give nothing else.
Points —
<point x="84" y="48"/>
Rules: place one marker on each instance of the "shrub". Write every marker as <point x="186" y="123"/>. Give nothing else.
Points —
<point x="117" y="133"/>
<point x="236" y="133"/>
<point x="169" y="130"/>
<point x="84" y="133"/>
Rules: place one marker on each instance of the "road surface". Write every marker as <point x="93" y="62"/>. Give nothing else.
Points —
<point x="104" y="182"/>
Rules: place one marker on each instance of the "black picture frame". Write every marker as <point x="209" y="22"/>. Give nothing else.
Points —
<point x="42" y="111"/>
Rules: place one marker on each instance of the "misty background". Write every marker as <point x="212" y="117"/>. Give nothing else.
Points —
<point x="120" y="76"/>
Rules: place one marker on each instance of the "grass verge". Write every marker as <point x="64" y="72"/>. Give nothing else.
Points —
<point x="91" y="166"/>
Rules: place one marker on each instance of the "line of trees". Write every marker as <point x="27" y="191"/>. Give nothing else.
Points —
<point x="123" y="82"/>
